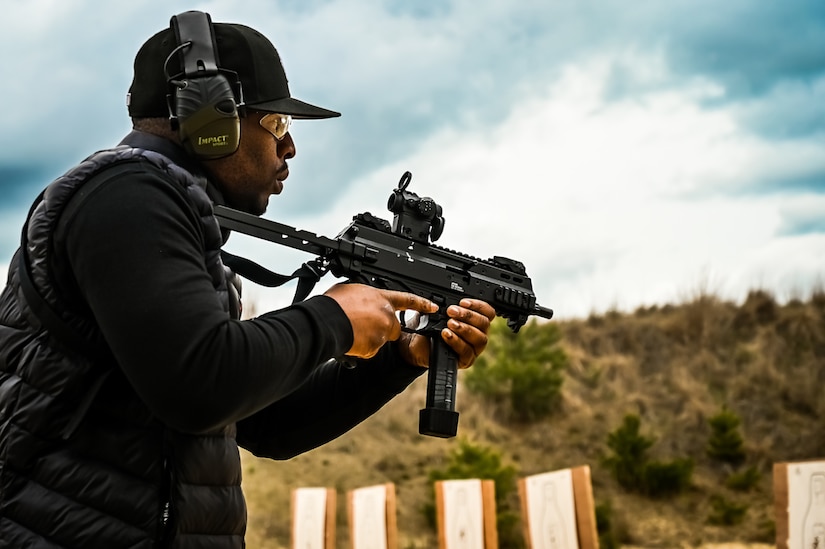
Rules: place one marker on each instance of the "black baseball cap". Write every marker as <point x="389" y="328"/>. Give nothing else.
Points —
<point x="240" y="49"/>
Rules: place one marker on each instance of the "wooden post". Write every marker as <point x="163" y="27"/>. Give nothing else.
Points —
<point x="780" y="504"/>
<point x="466" y="514"/>
<point x="439" y="515"/>
<point x="585" y="508"/>
<point x="488" y="498"/>
<point x="372" y="517"/>
<point x="313" y="518"/>
<point x="558" y="509"/>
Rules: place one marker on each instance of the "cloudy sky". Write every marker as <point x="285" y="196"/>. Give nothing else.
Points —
<point x="629" y="153"/>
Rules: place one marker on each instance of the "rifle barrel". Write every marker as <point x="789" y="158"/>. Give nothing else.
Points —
<point x="543" y="312"/>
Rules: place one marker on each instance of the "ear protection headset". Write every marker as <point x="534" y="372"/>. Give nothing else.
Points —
<point x="203" y="107"/>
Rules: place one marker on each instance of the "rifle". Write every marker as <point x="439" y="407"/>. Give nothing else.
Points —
<point x="402" y="257"/>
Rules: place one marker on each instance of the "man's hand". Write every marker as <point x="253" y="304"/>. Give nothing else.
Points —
<point x="466" y="333"/>
<point x="371" y="311"/>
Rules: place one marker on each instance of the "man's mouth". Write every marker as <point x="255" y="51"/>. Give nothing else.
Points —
<point x="279" y="181"/>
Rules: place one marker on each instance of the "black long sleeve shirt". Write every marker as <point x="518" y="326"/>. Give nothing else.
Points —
<point x="136" y="254"/>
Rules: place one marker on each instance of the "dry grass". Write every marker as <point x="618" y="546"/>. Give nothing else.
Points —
<point x="673" y="366"/>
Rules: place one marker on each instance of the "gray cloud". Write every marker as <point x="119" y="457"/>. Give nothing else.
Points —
<point x="766" y="58"/>
<point x="21" y="184"/>
<point x="791" y="110"/>
<point x="797" y="227"/>
<point x="802" y="220"/>
<point x="812" y="182"/>
<point x="752" y="46"/>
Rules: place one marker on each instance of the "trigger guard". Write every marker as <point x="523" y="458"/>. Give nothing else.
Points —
<point x="415" y="324"/>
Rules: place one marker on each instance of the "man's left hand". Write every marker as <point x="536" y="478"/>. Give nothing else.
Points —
<point x="466" y="333"/>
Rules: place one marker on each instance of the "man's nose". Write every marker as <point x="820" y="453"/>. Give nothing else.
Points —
<point x="286" y="147"/>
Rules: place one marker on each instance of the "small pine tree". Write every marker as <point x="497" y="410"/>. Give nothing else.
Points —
<point x="605" y="527"/>
<point x="743" y="481"/>
<point x="629" y="453"/>
<point x="662" y="479"/>
<point x="634" y="471"/>
<point x="524" y="369"/>
<point x="725" y="512"/>
<point x="726" y="443"/>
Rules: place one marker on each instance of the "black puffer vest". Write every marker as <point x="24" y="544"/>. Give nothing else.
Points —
<point x="82" y="461"/>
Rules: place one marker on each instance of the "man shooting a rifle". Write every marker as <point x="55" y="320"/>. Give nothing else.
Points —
<point x="127" y="380"/>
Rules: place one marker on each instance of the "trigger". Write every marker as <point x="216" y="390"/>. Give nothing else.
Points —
<point x="413" y="322"/>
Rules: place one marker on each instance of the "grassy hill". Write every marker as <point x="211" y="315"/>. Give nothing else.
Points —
<point x="674" y="367"/>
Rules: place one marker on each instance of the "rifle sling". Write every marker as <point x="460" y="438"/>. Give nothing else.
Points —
<point x="307" y="274"/>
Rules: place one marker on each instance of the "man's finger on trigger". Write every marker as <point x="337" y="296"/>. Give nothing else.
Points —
<point x="403" y="301"/>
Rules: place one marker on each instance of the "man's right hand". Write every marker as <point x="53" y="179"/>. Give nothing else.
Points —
<point x="371" y="312"/>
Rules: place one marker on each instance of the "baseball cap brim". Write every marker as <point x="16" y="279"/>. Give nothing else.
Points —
<point x="296" y="108"/>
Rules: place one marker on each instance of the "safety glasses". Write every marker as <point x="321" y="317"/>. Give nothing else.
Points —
<point x="276" y="124"/>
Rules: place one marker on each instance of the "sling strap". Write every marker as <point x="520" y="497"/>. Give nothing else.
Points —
<point x="307" y="274"/>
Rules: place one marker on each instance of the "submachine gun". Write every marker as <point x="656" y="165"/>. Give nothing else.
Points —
<point x="401" y="257"/>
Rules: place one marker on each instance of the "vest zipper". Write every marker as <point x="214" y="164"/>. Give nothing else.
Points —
<point x="166" y="525"/>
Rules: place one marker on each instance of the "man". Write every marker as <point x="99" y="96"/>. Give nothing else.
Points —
<point x="127" y="381"/>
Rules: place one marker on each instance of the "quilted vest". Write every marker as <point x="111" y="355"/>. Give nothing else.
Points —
<point x="83" y="463"/>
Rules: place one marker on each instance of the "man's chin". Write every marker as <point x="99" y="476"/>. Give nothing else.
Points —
<point x="250" y="207"/>
<point x="261" y="209"/>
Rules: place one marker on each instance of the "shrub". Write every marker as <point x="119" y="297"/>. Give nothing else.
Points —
<point x="629" y="449"/>
<point x="472" y="461"/>
<point x="523" y="370"/>
<point x="605" y="527"/>
<point x="743" y="481"/>
<point x="726" y="444"/>
<point x="763" y="305"/>
<point x="667" y="478"/>
<point x="726" y="513"/>
<point x="632" y="469"/>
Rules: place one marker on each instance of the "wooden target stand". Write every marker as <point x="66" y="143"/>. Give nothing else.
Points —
<point x="371" y="512"/>
<point x="466" y="514"/>
<point x="558" y="510"/>
<point x="799" y="504"/>
<point x="313" y="518"/>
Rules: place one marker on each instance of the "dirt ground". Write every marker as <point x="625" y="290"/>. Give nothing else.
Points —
<point x="719" y="546"/>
